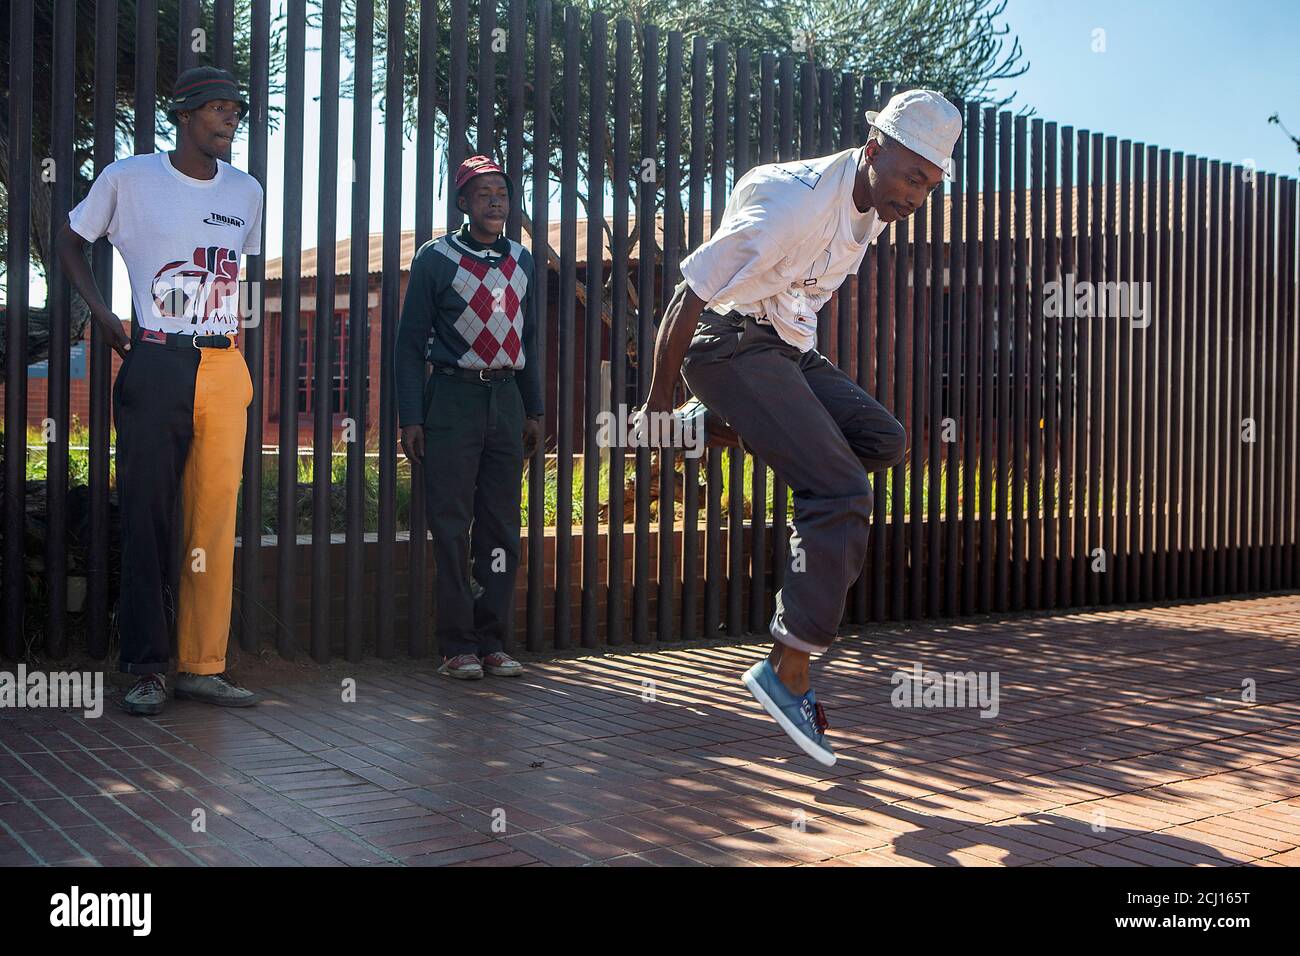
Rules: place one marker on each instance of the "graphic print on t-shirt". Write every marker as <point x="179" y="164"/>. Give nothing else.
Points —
<point x="203" y="289"/>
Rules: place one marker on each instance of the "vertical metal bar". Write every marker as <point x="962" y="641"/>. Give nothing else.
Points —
<point x="901" y="319"/>
<point x="665" y="614"/>
<point x="1244" y="351"/>
<point x="290" y="320"/>
<point x="884" y="511"/>
<point x="1004" y="370"/>
<point x="1196" y="399"/>
<point x="355" y="598"/>
<point x="1289" y="315"/>
<point x="1123" y="272"/>
<point x="144" y="102"/>
<point x="1083" y="560"/>
<point x="254" y="339"/>
<point x="1105" y="179"/>
<point x="935" y="561"/>
<point x="917" y="331"/>
<point x="646" y="282"/>
<point x="146" y="70"/>
<point x="988" y="289"/>
<point x="866" y="360"/>
<point x="62" y="195"/>
<point x="1232" y="436"/>
<point x="1038" y="498"/>
<point x="695" y="236"/>
<point x="955" y="507"/>
<point x="1020" y="362"/>
<point x="1094" y="501"/>
<point x="1258" y="395"/>
<point x="568" y="306"/>
<point x="1215" y="266"/>
<point x="323" y="329"/>
<point x="1286" y="316"/>
<point x="736" y="458"/>
<point x="484" y="128"/>
<point x="808" y="144"/>
<point x="543" y="63"/>
<point x="223" y="23"/>
<point x="188" y="22"/>
<point x="1069" y="329"/>
<point x="713" y="483"/>
<point x="1177" y="318"/>
<point x="516" y="45"/>
<point x="389" y="312"/>
<point x="457" y="102"/>
<point x="844" y="300"/>
<point x="17" y="266"/>
<point x="618" y="325"/>
<point x="1051" y="272"/>
<point x="1161" y="409"/>
<point x="597" y="101"/>
<point x="1270" y="476"/>
<point x="426" y="101"/>
<point x="97" y="561"/>
<point x="1141" y="336"/>
<point x="1151" y="355"/>
<point x="971" y="362"/>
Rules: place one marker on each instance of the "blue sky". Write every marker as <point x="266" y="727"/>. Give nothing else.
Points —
<point x="1189" y="75"/>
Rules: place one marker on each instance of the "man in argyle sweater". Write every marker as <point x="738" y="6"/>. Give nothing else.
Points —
<point x="475" y="417"/>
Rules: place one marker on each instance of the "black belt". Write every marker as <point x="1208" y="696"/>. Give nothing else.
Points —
<point x="181" y="340"/>
<point x="480" y="374"/>
<point x="732" y="317"/>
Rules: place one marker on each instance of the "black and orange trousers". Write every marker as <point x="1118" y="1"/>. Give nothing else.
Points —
<point x="181" y="417"/>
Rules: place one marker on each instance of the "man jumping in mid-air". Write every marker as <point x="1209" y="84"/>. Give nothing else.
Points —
<point x="741" y="330"/>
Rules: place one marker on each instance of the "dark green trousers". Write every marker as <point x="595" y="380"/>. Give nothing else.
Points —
<point x="473" y="468"/>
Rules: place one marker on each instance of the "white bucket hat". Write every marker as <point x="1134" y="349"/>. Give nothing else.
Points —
<point x="923" y="121"/>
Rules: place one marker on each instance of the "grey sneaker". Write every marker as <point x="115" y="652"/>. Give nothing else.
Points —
<point x="462" y="667"/>
<point x="147" y="697"/>
<point x="213" y="689"/>
<point x="502" y="665"/>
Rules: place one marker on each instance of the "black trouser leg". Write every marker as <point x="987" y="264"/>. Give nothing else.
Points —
<point x="153" y="410"/>
<point x="495" y="535"/>
<point x="454" y="423"/>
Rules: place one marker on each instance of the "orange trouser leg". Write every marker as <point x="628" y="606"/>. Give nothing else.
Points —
<point x="209" y="492"/>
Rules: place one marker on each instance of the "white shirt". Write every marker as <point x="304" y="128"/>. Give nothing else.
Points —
<point x="790" y="235"/>
<point x="181" y="238"/>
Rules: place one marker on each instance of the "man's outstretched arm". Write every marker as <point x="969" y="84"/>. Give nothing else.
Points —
<point x="674" y="338"/>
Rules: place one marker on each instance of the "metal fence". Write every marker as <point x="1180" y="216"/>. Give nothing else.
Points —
<point x="1056" y="460"/>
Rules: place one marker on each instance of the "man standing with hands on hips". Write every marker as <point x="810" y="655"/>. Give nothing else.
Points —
<point x="741" y="329"/>
<point x="476" y="417"/>
<point x="180" y="220"/>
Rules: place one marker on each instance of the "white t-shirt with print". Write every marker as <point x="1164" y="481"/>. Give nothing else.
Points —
<point x="181" y="238"/>
<point x="789" y="236"/>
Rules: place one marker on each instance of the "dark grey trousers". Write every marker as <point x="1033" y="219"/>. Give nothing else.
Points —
<point x="473" y="469"/>
<point x="822" y="435"/>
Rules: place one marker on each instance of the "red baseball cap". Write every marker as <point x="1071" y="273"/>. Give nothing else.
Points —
<point x="478" y="166"/>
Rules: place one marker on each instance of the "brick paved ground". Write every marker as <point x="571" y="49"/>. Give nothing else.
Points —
<point x="1121" y="739"/>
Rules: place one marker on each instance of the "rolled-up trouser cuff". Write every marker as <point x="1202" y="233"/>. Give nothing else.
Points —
<point x="784" y="631"/>
<point x="126" y="667"/>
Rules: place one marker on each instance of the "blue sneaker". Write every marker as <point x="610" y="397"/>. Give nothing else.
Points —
<point x="800" y="717"/>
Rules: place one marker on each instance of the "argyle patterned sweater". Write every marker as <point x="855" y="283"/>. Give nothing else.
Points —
<point x="467" y="305"/>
